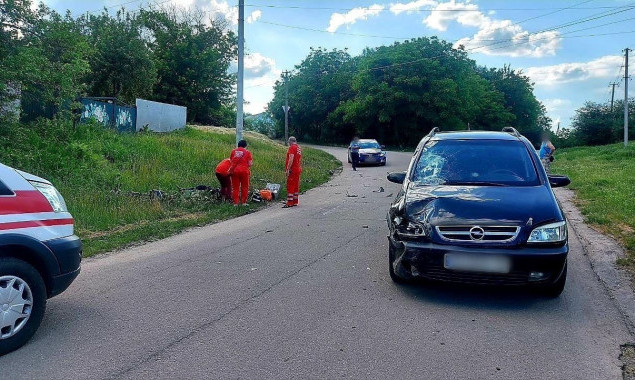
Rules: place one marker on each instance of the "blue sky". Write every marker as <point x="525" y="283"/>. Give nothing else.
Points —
<point x="571" y="49"/>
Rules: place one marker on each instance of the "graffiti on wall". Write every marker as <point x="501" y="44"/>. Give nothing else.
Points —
<point x="109" y="113"/>
<point x="124" y="117"/>
<point x="96" y="112"/>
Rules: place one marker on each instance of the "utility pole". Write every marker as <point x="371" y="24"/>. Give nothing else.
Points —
<point x="613" y="84"/>
<point x="626" y="78"/>
<point x="241" y="70"/>
<point x="285" y="108"/>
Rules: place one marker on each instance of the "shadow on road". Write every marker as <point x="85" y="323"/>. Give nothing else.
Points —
<point x="476" y="297"/>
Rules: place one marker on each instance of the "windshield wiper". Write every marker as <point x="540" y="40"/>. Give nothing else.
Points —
<point x="473" y="183"/>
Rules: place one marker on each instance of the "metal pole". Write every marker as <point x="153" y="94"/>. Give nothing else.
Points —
<point x="612" y="94"/>
<point x="626" y="97"/>
<point x="286" y="108"/>
<point x="241" y="70"/>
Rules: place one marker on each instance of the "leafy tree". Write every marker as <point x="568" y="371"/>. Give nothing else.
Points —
<point x="192" y="56"/>
<point x="122" y="65"/>
<point x="261" y="123"/>
<point x="404" y="90"/>
<point x="530" y="116"/>
<point x="47" y="57"/>
<point x="317" y="86"/>
<point x="596" y="124"/>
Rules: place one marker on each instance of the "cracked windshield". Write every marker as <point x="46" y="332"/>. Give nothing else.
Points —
<point x="317" y="189"/>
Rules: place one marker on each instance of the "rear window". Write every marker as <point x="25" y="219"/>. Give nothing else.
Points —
<point x="475" y="163"/>
<point x="4" y="190"/>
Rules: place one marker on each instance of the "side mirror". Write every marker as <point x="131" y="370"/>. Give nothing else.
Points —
<point x="383" y="146"/>
<point x="558" y="180"/>
<point x="397" y="177"/>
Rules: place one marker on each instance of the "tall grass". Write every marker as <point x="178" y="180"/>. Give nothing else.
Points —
<point x="604" y="180"/>
<point x="105" y="177"/>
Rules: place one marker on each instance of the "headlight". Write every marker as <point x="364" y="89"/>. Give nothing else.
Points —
<point x="549" y="233"/>
<point x="52" y="195"/>
<point x="408" y="229"/>
<point x="382" y="153"/>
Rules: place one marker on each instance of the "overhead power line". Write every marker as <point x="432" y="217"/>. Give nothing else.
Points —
<point x="527" y="39"/>
<point x="422" y="10"/>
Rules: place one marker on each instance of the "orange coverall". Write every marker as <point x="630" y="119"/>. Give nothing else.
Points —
<point x="224" y="178"/>
<point x="240" y="170"/>
<point x="293" y="167"/>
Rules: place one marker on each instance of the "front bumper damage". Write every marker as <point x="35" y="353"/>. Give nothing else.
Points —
<point x="425" y="260"/>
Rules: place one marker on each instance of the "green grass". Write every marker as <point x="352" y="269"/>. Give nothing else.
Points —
<point x="604" y="180"/>
<point x="105" y="177"/>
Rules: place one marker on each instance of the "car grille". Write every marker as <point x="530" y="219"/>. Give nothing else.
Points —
<point x="438" y="273"/>
<point x="478" y="234"/>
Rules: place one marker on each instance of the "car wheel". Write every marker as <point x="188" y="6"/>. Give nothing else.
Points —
<point x="554" y="290"/>
<point x="391" y="269"/>
<point x="22" y="303"/>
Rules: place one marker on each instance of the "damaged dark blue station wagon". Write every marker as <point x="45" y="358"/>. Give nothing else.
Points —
<point x="478" y="208"/>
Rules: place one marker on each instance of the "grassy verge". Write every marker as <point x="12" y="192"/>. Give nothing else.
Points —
<point x="604" y="180"/>
<point x="106" y="177"/>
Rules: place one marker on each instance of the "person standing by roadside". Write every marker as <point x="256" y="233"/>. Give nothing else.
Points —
<point x="224" y="178"/>
<point x="293" y="169"/>
<point x="240" y="170"/>
<point x="546" y="152"/>
<point x="354" y="147"/>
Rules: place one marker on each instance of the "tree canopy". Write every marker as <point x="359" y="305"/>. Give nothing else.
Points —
<point x="398" y="93"/>
<point x="165" y="54"/>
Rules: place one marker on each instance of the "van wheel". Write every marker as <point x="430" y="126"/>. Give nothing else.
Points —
<point x="554" y="290"/>
<point x="22" y="303"/>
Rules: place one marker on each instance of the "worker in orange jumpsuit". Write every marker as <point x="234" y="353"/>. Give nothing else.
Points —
<point x="240" y="170"/>
<point x="293" y="167"/>
<point x="224" y="178"/>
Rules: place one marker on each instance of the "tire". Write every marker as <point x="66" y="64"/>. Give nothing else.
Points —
<point x="554" y="290"/>
<point x="391" y="270"/>
<point x="18" y="274"/>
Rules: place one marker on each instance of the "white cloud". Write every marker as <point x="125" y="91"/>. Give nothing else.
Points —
<point x="603" y="67"/>
<point x="361" y="13"/>
<point x="261" y="74"/>
<point x="411" y="7"/>
<point x="502" y="37"/>
<point x="464" y="13"/>
<point x="257" y="65"/>
<point x="254" y="16"/>
<point x="556" y="104"/>
<point x="494" y="36"/>
<point x="216" y="8"/>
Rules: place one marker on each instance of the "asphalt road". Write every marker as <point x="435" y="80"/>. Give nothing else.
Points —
<point x="305" y="293"/>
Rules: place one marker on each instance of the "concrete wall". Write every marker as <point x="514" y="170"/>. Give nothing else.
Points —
<point x="160" y="117"/>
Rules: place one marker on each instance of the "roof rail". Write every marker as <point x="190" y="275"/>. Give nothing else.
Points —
<point x="511" y="130"/>
<point x="434" y="131"/>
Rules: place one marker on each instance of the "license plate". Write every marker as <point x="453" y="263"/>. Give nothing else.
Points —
<point x="477" y="263"/>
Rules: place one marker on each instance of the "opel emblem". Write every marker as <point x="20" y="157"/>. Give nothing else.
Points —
<point x="477" y="233"/>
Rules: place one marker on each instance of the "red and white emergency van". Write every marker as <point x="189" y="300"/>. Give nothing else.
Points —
<point x="39" y="254"/>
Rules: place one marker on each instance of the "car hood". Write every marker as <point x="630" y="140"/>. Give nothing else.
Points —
<point x="31" y="177"/>
<point x="370" y="151"/>
<point x="481" y="205"/>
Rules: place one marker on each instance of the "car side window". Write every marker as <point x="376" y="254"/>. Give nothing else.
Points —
<point x="4" y="190"/>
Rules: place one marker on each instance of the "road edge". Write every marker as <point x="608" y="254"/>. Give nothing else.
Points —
<point x="602" y="251"/>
